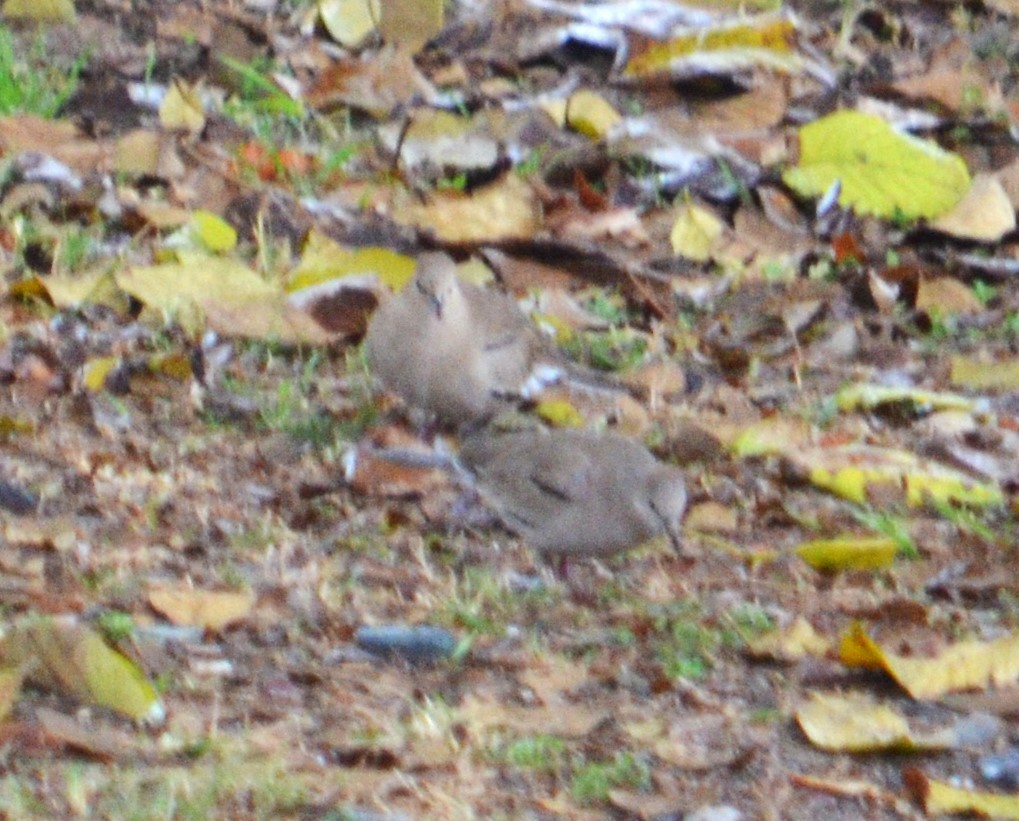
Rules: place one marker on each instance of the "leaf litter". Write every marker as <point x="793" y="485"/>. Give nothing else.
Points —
<point x="790" y="233"/>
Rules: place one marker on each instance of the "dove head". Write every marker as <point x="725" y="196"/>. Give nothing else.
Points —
<point x="437" y="282"/>
<point x="667" y="498"/>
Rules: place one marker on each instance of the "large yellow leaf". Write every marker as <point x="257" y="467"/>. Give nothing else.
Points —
<point x="506" y="209"/>
<point x="65" y="655"/>
<point x="734" y="45"/>
<point x="855" y="471"/>
<point x="883" y="172"/>
<point x="866" y="395"/>
<point x="324" y="259"/>
<point x="226" y="294"/>
<point x="857" y="724"/>
<point x="848" y="552"/>
<point x="966" y="665"/>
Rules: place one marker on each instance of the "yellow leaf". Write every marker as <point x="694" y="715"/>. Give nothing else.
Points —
<point x="64" y="655"/>
<point x="981" y="375"/>
<point x="771" y="436"/>
<point x="866" y="396"/>
<point x="349" y="22"/>
<point x="590" y="114"/>
<point x="848" y="553"/>
<point x="695" y="232"/>
<point x="939" y="798"/>
<point x="556" y="109"/>
<point x="882" y="171"/>
<point x="854" y="471"/>
<point x="966" y="665"/>
<point x="857" y="724"/>
<point x="232" y="298"/>
<point x="324" y="259"/>
<point x="182" y="108"/>
<point x="10" y="425"/>
<point x="795" y="642"/>
<point x="208" y="609"/>
<point x="984" y="214"/>
<point x="92" y="288"/>
<point x="560" y="414"/>
<point x="411" y="22"/>
<point x="731" y="46"/>
<point x="505" y="209"/>
<point x="95" y="371"/>
<point x="214" y="232"/>
<point x="944" y="296"/>
<point x="10" y="688"/>
<point x="173" y="364"/>
<point x="41" y="11"/>
<point x="138" y="152"/>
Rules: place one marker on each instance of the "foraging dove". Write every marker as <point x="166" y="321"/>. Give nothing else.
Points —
<point x="455" y="350"/>
<point x="576" y="493"/>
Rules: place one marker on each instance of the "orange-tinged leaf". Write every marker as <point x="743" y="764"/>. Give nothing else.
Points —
<point x="965" y="665"/>
<point x="208" y="609"/>
<point x="848" y="553"/>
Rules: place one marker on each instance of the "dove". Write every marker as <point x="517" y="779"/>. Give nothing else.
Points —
<point x="457" y="351"/>
<point x="576" y="493"/>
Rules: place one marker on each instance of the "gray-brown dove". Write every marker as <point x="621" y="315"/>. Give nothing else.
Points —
<point x="576" y="493"/>
<point x="455" y="350"/>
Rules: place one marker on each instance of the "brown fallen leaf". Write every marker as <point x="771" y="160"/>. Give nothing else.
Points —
<point x="209" y="609"/>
